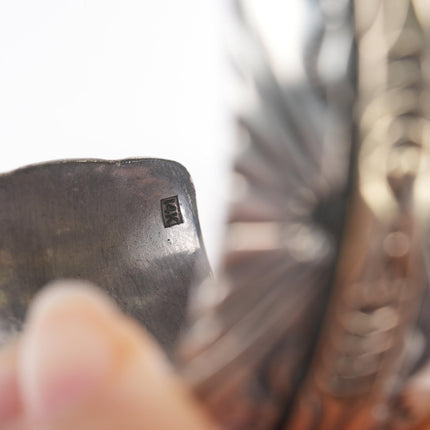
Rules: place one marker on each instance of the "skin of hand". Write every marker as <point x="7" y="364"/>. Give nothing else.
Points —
<point x="81" y="364"/>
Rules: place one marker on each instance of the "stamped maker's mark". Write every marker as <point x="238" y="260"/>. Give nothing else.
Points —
<point x="171" y="211"/>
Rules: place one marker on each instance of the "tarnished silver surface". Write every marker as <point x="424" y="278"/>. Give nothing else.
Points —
<point x="320" y="321"/>
<point x="128" y="226"/>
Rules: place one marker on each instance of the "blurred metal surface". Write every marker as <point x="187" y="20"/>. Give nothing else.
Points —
<point x="252" y="334"/>
<point x="371" y="343"/>
<point x="320" y="319"/>
<point x="128" y="226"/>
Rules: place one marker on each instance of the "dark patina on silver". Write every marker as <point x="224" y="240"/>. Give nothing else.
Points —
<point x="104" y="222"/>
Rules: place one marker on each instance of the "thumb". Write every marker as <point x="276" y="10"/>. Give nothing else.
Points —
<point x="82" y="364"/>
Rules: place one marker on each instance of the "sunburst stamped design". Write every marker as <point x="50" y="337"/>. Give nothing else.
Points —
<point x="313" y="326"/>
<point x="252" y="333"/>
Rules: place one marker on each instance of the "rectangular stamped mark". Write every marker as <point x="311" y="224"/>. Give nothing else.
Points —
<point x="171" y="212"/>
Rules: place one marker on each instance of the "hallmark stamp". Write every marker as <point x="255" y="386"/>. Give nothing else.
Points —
<point x="171" y="212"/>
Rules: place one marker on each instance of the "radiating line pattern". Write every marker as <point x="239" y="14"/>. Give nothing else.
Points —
<point x="252" y="331"/>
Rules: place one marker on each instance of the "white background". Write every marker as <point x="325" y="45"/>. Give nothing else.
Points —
<point x="117" y="79"/>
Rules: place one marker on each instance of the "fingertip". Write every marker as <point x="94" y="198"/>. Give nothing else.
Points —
<point x="65" y="352"/>
<point x="70" y="292"/>
<point x="10" y="401"/>
<point x="83" y="364"/>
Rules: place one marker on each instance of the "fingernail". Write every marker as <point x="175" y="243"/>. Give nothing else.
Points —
<point x="65" y="352"/>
